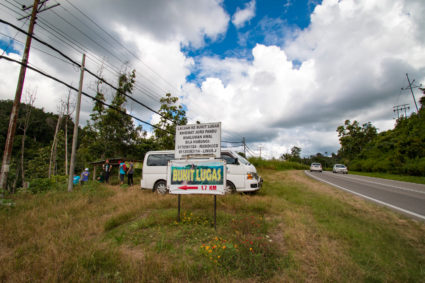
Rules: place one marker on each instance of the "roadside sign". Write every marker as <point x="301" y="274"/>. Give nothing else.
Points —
<point x="198" y="140"/>
<point x="197" y="177"/>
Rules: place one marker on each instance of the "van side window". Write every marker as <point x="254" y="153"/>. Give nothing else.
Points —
<point x="168" y="157"/>
<point x="229" y="159"/>
<point x="159" y="159"/>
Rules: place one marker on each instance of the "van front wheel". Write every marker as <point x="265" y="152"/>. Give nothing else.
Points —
<point x="230" y="188"/>
<point x="160" y="187"/>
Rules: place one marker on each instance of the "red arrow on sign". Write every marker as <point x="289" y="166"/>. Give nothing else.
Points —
<point x="188" y="188"/>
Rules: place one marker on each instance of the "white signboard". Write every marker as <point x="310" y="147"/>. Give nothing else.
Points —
<point x="198" y="139"/>
<point x="197" y="176"/>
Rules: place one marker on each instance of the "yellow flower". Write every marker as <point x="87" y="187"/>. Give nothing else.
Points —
<point x="250" y="249"/>
<point x="210" y="251"/>
<point x="218" y="256"/>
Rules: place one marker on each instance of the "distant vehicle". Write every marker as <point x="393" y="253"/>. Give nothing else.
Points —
<point x="316" y="167"/>
<point x="241" y="175"/>
<point x="340" y="168"/>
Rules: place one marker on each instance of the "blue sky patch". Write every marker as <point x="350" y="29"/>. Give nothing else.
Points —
<point x="8" y="46"/>
<point x="273" y="23"/>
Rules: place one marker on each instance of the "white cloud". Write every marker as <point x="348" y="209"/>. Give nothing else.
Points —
<point x="153" y="30"/>
<point x="354" y="58"/>
<point x="242" y="16"/>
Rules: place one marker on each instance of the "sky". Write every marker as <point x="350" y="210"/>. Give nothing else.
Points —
<point x="277" y="73"/>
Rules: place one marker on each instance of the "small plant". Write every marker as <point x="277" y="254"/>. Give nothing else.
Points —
<point x="189" y="218"/>
<point x="244" y="256"/>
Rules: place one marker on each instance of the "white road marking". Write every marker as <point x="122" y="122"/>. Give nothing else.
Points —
<point x="369" y="198"/>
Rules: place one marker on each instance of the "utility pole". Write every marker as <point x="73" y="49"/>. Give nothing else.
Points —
<point x="260" y="151"/>
<point x="400" y="108"/>
<point x="77" y="121"/>
<point x="244" y="146"/>
<point x="7" y="154"/>
<point x="411" y="90"/>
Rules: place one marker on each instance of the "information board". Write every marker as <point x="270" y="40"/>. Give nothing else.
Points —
<point x="198" y="139"/>
<point x="197" y="177"/>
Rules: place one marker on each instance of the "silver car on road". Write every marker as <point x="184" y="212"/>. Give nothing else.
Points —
<point x="340" y="168"/>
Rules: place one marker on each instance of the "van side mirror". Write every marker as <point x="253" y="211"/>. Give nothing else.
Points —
<point x="236" y="161"/>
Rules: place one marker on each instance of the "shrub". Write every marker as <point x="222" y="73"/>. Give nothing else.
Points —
<point x="276" y="164"/>
<point x="39" y="185"/>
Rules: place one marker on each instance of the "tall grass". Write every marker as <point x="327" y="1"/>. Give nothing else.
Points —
<point x="294" y="230"/>
<point x="276" y="164"/>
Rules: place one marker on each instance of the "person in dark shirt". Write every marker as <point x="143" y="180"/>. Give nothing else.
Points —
<point x="106" y="170"/>
<point x="130" y="173"/>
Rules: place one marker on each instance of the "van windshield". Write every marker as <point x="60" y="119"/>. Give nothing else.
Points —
<point x="242" y="159"/>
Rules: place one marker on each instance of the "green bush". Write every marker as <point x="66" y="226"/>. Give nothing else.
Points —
<point x="415" y="167"/>
<point x="276" y="164"/>
<point x="39" y="185"/>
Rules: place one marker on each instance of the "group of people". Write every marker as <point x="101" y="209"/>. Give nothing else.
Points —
<point x="83" y="178"/>
<point x="124" y="169"/>
<point x="129" y="170"/>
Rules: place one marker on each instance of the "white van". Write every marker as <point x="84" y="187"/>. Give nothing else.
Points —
<point x="241" y="175"/>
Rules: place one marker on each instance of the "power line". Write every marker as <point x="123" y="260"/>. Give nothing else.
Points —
<point x="84" y="93"/>
<point x="104" y="41"/>
<point x="39" y="49"/>
<point x="129" y="51"/>
<point x="78" y="64"/>
<point x="142" y="89"/>
<point x="13" y="39"/>
<point x="64" y="39"/>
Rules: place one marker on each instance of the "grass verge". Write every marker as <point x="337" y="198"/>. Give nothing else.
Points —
<point x="295" y="229"/>
<point x="404" y="178"/>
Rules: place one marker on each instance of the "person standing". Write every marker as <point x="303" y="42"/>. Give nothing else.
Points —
<point x="130" y="172"/>
<point x="106" y="170"/>
<point x="122" y="168"/>
<point x="76" y="179"/>
<point x="85" y="176"/>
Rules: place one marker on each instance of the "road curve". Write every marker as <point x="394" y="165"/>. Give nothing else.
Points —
<point x="408" y="198"/>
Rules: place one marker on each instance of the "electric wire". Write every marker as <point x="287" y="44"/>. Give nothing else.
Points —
<point x="64" y="39"/>
<point x="13" y="39"/>
<point x="83" y="93"/>
<point x="39" y="49"/>
<point x="129" y="51"/>
<point x="77" y="64"/>
<point x="142" y="89"/>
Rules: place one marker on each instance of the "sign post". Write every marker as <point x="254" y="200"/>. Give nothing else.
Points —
<point x="195" y="170"/>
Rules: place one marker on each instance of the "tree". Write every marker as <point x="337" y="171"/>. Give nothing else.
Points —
<point x="171" y="116"/>
<point x="69" y="109"/>
<point x="30" y="99"/>
<point x="112" y="133"/>
<point x="294" y="156"/>
<point x="353" y="138"/>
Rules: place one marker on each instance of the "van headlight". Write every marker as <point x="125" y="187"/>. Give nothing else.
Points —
<point x="251" y="176"/>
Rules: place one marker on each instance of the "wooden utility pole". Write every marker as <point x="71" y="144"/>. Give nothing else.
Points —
<point x="7" y="154"/>
<point x="76" y="122"/>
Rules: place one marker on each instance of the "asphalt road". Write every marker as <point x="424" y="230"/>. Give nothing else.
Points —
<point x="408" y="198"/>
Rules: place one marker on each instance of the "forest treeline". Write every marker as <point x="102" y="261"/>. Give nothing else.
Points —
<point x="398" y="151"/>
<point x="42" y="143"/>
